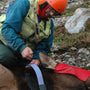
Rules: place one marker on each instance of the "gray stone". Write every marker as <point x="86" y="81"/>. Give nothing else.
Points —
<point x="67" y="56"/>
<point x="88" y="65"/>
<point x="84" y="50"/>
<point x="73" y="48"/>
<point x="79" y="58"/>
<point x="76" y="22"/>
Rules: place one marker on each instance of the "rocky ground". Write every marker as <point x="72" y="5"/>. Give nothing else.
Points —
<point x="4" y="5"/>
<point x="76" y="56"/>
<point x="79" y="57"/>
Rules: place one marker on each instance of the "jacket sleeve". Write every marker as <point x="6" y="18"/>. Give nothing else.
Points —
<point x="13" y="23"/>
<point x="45" y="45"/>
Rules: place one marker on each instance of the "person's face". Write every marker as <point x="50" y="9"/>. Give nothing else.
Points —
<point x="50" y="12"/>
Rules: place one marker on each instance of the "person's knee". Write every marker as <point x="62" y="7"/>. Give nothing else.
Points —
<point x="7" y="58"/>
<point x="5" y="55"/>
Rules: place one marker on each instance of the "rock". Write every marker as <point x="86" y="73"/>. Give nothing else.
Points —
<point x="79" y="58"/>
<point x="84" y="50"/>
<point x="76" y="22"/>
<point x="66" y="53"/>
<point x="73" y="48"/>
<point x="67" y="56"/>
<point x="54" y="47"/>
<point x="83" y="59"/>
<point x="88" y="65"/>
<point x="75" y="3"/>
<point x="71" y="1"/>
<point x="72" y="60"/>
<point x="60" y="21"/>
<point x="4" y="5"/>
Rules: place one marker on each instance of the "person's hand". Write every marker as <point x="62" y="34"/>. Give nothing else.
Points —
<point x="27" y="53"/>
<point x="34" y="61"/>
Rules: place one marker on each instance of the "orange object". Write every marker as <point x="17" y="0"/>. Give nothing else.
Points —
<point x="80" y="73"/>
<point x="41" y="13"/>
<point x="58" y="5"/>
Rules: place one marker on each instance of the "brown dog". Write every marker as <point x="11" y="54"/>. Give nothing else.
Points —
<point x="53" y="81"/>
<point x="58" y="81"/>
<point x="7" y="79"/>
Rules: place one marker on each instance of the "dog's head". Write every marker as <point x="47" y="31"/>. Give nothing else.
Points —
<point x="46" y="61"/>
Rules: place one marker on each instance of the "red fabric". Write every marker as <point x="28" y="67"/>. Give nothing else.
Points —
<point x="82" y="74"/>
<point x="42" y="12"/>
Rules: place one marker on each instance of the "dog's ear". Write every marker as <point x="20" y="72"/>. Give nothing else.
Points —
<point x="46" y="61"/>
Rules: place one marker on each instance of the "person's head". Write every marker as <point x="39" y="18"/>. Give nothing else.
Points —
<point x="56" y="7"/>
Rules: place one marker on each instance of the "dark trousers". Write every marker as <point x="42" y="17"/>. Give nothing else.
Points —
<point x="11" y="59"/>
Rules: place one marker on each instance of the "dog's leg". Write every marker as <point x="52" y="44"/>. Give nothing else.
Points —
<point x="7" y="79"/>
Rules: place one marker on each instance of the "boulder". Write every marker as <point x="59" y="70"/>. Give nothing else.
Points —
<point x="76" y="23"/>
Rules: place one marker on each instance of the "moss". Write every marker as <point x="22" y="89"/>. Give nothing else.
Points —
<point x="65" y="39"/>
